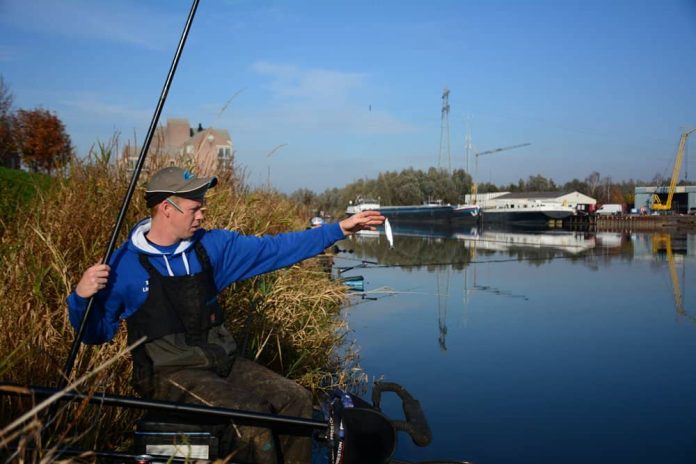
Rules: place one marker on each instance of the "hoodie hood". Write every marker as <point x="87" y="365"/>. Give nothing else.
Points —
<point x="138" y="243"/>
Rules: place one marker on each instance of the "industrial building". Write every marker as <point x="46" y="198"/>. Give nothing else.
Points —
<point x="683" y="201"/>
<point x="577" y="200"/>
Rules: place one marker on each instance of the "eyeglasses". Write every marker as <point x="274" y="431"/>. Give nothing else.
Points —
<point x="177" y="207"/>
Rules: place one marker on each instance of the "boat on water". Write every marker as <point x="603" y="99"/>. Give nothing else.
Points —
<point x="362" y="204"/>
<point x="526" y="212"/>
<point x="430" y="211"/>
<point x="465" y="211"/>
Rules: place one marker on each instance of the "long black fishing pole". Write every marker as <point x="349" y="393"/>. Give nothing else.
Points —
<point x="129" y="194"/>
<point x="286" y="424"/>
<point x="375" y="265"/>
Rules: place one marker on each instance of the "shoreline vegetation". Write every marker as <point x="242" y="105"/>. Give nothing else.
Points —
<point x="288" y="320"/>
<point x="414" y="186"/>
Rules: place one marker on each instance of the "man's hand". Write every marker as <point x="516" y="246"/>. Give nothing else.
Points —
<point x="93" y="280"/>
<point x="365" y="220"/>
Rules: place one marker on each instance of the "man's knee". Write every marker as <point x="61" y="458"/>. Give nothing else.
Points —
<point x="304" y="398"/>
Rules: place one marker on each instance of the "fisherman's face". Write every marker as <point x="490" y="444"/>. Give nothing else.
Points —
<point x="186" y="222"/>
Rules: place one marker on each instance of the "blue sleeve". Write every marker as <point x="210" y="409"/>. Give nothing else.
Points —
<point x="100" y="329"/>
<point x="237" y="257"/>
<point x="104" y="317"/>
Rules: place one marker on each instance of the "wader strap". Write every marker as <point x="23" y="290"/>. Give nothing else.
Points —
<point x="145" y="262"/>
<point x="202" y="256"/>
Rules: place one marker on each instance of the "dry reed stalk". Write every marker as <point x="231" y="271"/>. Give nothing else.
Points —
<point x="10" y="428"/>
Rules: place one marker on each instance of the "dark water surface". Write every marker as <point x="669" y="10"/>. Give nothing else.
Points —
<point x="523" y="347"/>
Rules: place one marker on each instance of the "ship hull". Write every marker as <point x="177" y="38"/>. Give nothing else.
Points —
<point x="416" y="213"/>
<point x="523" y="218"/>
<point x="430" y="214"/>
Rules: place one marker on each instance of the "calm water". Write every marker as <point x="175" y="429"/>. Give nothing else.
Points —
<point x="535" y="347"/>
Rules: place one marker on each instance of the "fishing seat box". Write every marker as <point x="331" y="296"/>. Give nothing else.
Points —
<point x="179" y="436"/>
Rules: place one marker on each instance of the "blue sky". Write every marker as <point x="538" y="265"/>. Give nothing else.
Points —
<point x="354" y="88"/>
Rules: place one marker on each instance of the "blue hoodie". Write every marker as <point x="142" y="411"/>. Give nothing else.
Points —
<point x="233" y="257"/>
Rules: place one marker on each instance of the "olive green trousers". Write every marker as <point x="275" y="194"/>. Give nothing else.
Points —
<point x="251" y="387"/>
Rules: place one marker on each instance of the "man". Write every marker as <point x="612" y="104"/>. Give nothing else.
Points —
<point x="164" y="282"/>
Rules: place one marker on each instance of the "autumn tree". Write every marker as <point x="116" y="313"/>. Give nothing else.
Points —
<point x="41" y="140"/>
<point x="8" y="154"/>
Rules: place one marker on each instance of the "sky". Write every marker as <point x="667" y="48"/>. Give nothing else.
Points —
<point x="318" y="94"/>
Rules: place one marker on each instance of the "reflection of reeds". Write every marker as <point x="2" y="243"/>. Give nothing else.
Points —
<point x="294" y="326"/>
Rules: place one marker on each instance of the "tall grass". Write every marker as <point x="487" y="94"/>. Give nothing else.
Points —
<point x="17" y="188"/>
<point x="288" y="320"/>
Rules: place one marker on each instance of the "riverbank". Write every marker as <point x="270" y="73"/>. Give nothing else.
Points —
<point x="633" y="222"/>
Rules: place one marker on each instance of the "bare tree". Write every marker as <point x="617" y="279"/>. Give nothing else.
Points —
<point x="593" y="182"/>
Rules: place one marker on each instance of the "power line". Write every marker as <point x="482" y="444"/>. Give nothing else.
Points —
<point x="444" y="155"/>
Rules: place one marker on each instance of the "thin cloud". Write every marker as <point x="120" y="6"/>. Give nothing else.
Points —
<point x="90" y="106"/>
<point x="310" y="84"/>
<point x="322" y="100"/>
<point x="132" y="24"/>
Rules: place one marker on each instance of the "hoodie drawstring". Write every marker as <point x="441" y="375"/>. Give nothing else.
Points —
<point x="169" y="269"/>
<point x="186" y="264"/>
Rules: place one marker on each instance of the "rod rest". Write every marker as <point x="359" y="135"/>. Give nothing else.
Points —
<point x="415" y="424"/>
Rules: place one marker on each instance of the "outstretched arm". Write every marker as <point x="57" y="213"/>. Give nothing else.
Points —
<point x="365" y="220"/>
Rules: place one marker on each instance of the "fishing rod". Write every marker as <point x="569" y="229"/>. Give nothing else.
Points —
<point x="374" y="265"/>
<point x="288" y="424"/>
<point x="363" y="263"/>
<point x="129" y="194"/>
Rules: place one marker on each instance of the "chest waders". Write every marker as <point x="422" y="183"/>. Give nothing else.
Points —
<point x="183" y="310"/>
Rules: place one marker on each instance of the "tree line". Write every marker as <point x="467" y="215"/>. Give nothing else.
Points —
<point x="414" y="186"/>
<point x="35" y="138"/>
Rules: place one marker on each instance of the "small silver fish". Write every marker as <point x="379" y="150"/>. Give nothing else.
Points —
<point x="388" y="232"/>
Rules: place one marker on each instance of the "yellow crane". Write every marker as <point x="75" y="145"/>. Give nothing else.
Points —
<point x="474" y="186"/>
<point x="657" y="204"/>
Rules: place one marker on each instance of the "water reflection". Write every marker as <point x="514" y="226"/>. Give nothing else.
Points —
<point x="662" y="246"/>
<point x="442" y="293"/>
<point x="443" y="248"/>
<point x="525" y="346"/>
<point x="431" y="246"/>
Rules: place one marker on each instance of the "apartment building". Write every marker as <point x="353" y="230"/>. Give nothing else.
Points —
<point x="206" y="149"/>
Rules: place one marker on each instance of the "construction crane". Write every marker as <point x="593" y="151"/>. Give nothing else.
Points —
<point x="474" y="187"/>
<point x="657" y="204"/>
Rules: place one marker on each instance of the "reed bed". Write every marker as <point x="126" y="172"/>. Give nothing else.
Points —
<point x="288" y="320"/>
